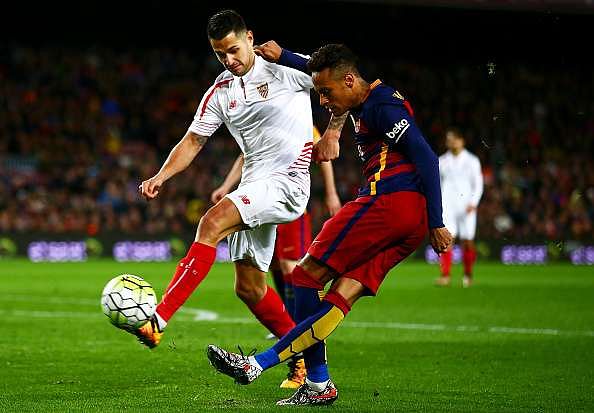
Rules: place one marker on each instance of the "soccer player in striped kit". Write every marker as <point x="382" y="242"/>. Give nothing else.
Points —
<point x="357" y="247"/>
<point x="461" y="190"/>
<point x="292" y="241"/>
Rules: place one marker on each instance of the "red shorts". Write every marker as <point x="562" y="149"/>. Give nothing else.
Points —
<point x="370" y="235"/>
<point x="293" y="239"/>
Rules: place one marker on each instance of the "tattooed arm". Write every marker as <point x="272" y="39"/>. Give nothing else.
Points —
<point x="328" y="148"/>
<point x="336" y="123"/>
<point x="179" y="159"/>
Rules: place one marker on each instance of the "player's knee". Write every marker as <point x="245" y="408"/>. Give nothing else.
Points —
<point x="338" y="300"/>
<point x="249" y="293"/>
<point x="310" y="272"/>
<point x="302" y="277"/>
<point x="344" y="293"/>
<point x="209" y="226"/>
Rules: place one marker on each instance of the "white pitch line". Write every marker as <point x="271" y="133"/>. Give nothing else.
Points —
<point x="200" y="315"/>
<point x="50" y="300"/>
<point x="47" y="314"/>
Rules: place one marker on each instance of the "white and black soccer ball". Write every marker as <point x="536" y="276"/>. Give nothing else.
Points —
<point x="128" y="301"/>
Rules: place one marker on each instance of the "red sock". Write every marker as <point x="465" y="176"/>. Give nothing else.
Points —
<point x="271" y="312"/>
<point x="338" y="301"/>
<point x="468" y="256"/>
<point x="445" y="260"/>
<point x="190" y="271"/>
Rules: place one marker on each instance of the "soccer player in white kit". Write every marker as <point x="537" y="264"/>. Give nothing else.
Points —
<point x="461" y="188"/>
<point x="267" y="109"/>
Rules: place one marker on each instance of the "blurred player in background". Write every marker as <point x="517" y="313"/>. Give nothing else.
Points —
<point x="267" y="109"/>
<point x="292" y="241"/>
<point x="461" y="189"/>
<point x="357" y="247"/>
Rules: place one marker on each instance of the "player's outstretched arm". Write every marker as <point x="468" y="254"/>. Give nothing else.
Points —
<point x="180" y="157"/>
<point x="402" y="131"/>
<point x="233" y="177"/>
<point x="416" y="148"/>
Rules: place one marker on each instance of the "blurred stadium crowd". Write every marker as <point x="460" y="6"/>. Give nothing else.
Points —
<point x="79" y="130"/>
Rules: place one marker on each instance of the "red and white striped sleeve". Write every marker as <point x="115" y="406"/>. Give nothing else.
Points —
<point x="209" y="115"/>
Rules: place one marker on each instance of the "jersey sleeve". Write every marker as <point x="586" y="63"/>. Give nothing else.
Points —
<point x="477" y="182"/>
<point x="295" y="69"/>
<point x="209" y="115"/>
<point x="399" y="129"/>
<point x="295" y="61"/>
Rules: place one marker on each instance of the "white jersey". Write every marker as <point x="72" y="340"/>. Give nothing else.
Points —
<point x="461" y="180"/>
<point x="268" y="112"/>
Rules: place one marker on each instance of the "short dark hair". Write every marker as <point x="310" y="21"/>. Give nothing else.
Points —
<point x="333" y="56"/>
<point x="224" y="22"/>
<point x="456" y="131"/>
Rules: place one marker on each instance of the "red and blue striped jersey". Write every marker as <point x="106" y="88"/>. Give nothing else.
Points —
<point x="393" y="151"/>
<point x="395" y="155"/>
<point x="385" y="168"/>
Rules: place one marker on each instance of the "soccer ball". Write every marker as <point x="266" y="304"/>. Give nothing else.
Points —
<point x="128" y="301"/>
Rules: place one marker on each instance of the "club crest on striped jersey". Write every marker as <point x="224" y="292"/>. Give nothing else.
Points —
<point x="359" y="126"/>
<point x="263" y="90"/>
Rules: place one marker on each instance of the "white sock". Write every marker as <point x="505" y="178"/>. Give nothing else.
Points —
<point x="162" y="323"/>
<point x="254" y="362"/>
<point x="316" y="386"/>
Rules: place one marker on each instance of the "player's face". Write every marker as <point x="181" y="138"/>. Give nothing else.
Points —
<point x="453" y="142"/>
<point x="336" y="91"/>
<point x="235" y="51"/>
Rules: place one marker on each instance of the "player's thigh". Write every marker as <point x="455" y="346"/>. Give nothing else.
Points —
<point x="255" y="245"/>
<point x="373" y="272"/>
<point x="252" y="199"/>
<point x="468" y="226"/>
<point x="366" y="226"/>
<point x="271" y="201"/>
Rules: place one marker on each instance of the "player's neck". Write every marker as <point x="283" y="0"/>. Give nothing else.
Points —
<point x="364" y="91"/>
<point x="456" y="152"/>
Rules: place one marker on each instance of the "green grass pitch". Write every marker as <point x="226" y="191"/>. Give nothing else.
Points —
<point x="520" y="340"/>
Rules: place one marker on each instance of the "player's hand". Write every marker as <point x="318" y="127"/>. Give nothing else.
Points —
<point x="470" y="209"/>
<point x="270" y="51"/>
<point x="149" y="189"/>
<point x="327" y="148"/>
<point x="218" y="194"/>
<point x="333" y="203"/>
<point x="440" y="239"/>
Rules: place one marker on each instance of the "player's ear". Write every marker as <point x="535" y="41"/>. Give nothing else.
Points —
<point x="249" y="36"/>
<point x="349" y="80"/>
